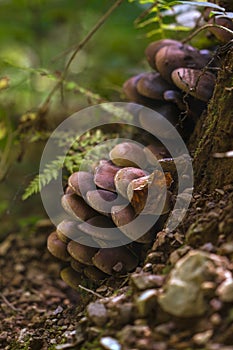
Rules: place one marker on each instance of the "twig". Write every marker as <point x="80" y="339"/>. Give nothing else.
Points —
<point x="12" y="307"/>
<point x="228" y="154"/>
<point x="206" y="26"/>
<point x="78" y="48"/>
<point x="144" y="13"/>
<point x="91" y="291"/>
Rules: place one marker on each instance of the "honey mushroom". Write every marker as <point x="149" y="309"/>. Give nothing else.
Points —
<point x="155" y="46"/>
<point x="57" y="247"/>
<point x="93" y="240"/>
<point x="197" y="83"/>
<point x="221" y="34"/>
<point x="128" y="154"/>
<point x="115" y="199"/>
<point x="171" y="57"/>
<point x="166" y="56"/>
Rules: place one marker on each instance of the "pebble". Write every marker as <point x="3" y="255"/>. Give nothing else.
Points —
<point x="144" y="281"/>
<point x="97" y="313"/>
<point x="110" y="343"/>
<point x="216" y="304"/>
<point x="58" y="310"/>
<point x="216" y="319"/>
<point x="225" y="291"/>
<point x="202" y="338"/>
<point x="148" y="267"/>
<point x="183" y="295"/>
<point x="146" y="302"/>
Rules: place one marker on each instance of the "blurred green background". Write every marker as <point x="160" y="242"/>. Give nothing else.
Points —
<point x="36" y="41"/>
<point x="34" y="34"/>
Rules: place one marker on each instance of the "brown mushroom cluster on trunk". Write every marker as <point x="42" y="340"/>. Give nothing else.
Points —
<point x="179" y="87"/>
<point x="108" y="207"/>
<point x="220" y="34"/>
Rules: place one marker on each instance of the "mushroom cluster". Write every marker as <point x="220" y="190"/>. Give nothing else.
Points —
<point x="180" y="83"/>
<point x="113" y="212"/>
<point x="223" y="20"/>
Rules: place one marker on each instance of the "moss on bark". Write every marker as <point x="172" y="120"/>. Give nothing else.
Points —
<point x="214" y="134"/>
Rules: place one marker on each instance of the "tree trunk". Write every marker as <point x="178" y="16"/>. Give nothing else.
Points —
<point x="214" y="134"/>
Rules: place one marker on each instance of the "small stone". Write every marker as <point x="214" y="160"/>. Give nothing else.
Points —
<point x="183" y="295"/>
<point x="218" y="190"/>
<point x="164" y="328"/>
<point x="154" y="257"/>
<point x="147" y="267"/>
<point x="3" y="335"/>
<point x="216" y="304"/>
<point x="58" y="310"/>
<point x="115" y="300"/>
<point x="202" y="338"/>
<point x="144" y="281"/>
<point x="177" y="254"/>
<point x="110" y="343"/>
<point x="225" y="290"/>
<point x="97" y="313"/>
<point x="226" y="248"/>
<point x="19" y="267"/>
<point x="146" y="302"/>
<point x="125" y="312"/>
<point x="215" y="319"/>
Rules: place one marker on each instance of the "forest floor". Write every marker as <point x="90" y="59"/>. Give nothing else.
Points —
<point x="39" y="311"/>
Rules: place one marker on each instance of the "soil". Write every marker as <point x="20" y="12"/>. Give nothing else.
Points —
<point x="39" y="311"/>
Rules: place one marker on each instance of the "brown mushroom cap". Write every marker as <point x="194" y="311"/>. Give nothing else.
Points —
<point x="146" y="193"/>
<point x="102" y="200"/>
<point x="97" y="226"/>
<point x="153" y="86"/>
<point x="132" y="94"/>
<point x="77" y="207"/>
<point x="104" y="175"/>
<point x="81" y="253"/>
<point x="81" y="182"/>
<point x="123" y="178"/>
<point x="119" y="259"/>
<point x="71" y="277"/>
<point x="221" y="34"/>
<point x="76" y="265"/>
<point x="154" y="123"/>
<point x="94" y="274"/>
<point x="122" y="215"/>
<point x="155" y="152"/>
<point x="56" y="247"/>
<point x="175" y="97"/>
<point x="172" y="57"/>
<point x="67" y="230"/>
<point x="69" y="190"/>
<point x="195" y="82"/>
<point x="128" y="154"/>
<point x="140" y="230"/>
<point x="155" y="46"/>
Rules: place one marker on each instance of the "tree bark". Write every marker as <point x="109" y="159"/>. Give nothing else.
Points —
<point x="214" y="134"/>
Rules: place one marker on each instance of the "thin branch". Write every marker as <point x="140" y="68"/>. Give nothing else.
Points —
<point x="144" y="13"/>
<point x="206" y="26"/>
<point x="12" y="307"/>
<point x="90" y="34"/>
<point x="91" y="291"/>
<point x="78" y="48"/>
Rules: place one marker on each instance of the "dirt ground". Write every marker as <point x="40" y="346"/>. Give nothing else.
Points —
<point x="39" y="311"/>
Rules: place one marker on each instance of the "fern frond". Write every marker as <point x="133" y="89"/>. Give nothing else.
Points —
<point x="74" y="158"/>
<point x="50" y="173"/>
